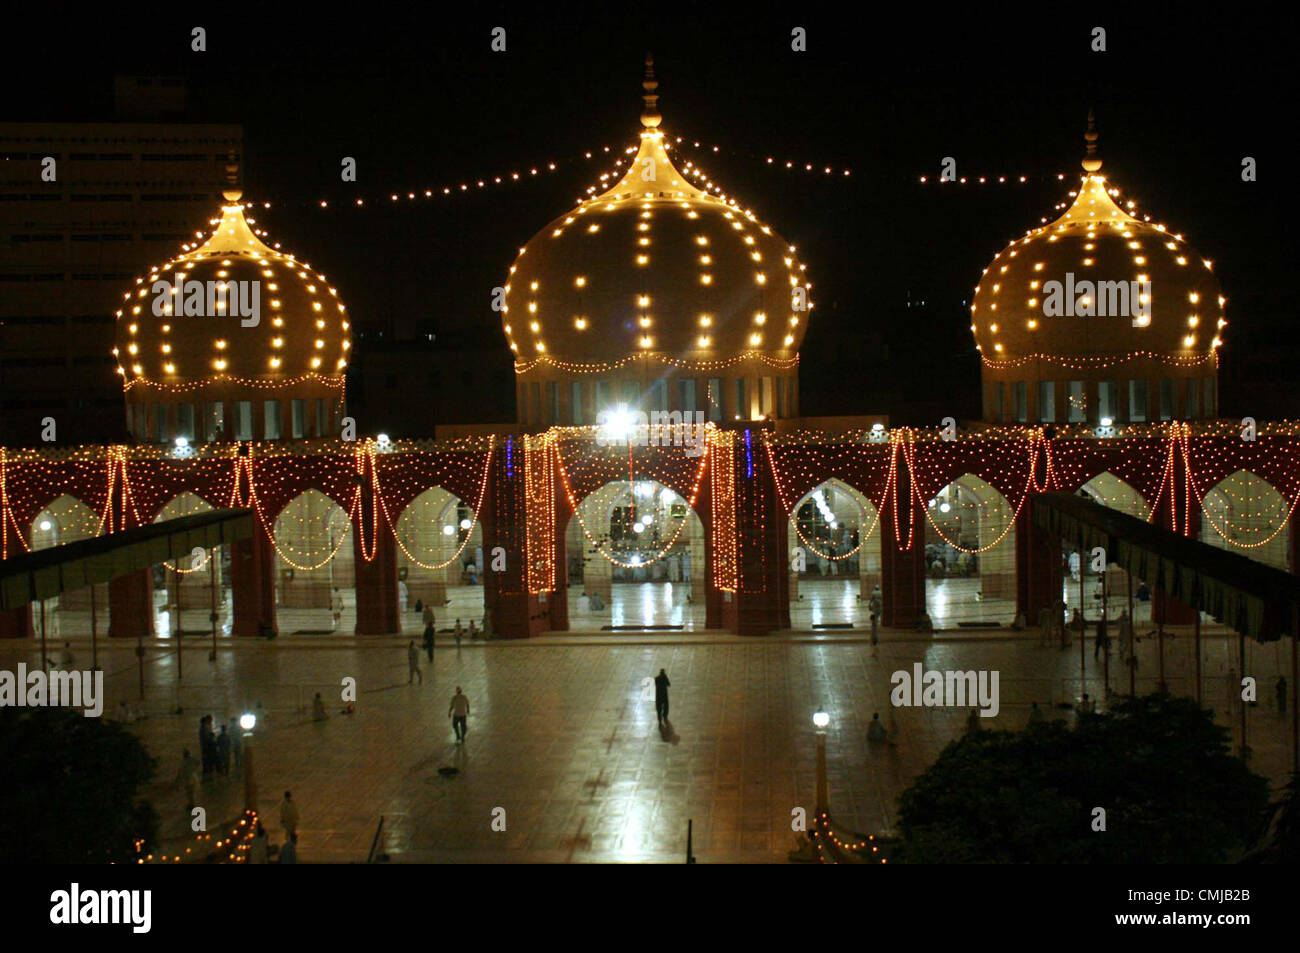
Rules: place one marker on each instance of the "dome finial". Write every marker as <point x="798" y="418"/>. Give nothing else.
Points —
<point x="650" y="113"/>
<point x="232" y="190"/>
<point x="1090" y="161"/>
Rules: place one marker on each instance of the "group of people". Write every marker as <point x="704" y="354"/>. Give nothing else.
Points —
<point x="218" y="748"/>
<point x="260" y="850"/>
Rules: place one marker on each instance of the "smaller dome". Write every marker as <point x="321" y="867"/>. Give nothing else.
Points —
<point x="230" y="313"/>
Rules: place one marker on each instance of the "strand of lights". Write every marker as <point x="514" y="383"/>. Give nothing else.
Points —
<point x="604" y="367"/>
<point x="478" y="508"/>
<point x="597" y="545"/>
<point x="1102" y="362"/>
<point x="1206" y="511"/>
<point x="722" y="505"/>
<point x="991" y="179"/>
<point x="539" y="512"/>
<point x="335" y="383"/>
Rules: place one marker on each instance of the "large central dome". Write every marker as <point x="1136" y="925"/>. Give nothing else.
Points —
<point x="656" y="278"/>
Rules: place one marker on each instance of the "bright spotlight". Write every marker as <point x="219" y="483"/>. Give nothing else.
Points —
<point x="821" y="719"/>
<point x="638" y="527"/>
<point x="448" y="530"/>
<point x="247" y="721"/>
<point x="182" y="443"/>
<point x="465" y="524"/>
<point x="944" y="507"/>
<point x="617" y="423"/>
<point x="45" y="526"/>
<point x="1107" y="422"/>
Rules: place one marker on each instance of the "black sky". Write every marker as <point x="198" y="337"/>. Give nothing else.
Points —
<point x="422" y="101"/>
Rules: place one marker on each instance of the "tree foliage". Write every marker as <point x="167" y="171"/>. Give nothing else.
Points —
<point x="71" y="788"/>
<point x="1159" y="766"/>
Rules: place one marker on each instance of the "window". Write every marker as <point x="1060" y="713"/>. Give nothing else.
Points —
<point x="575" y="403"/>
<point x="686" y="394"/>
<point x="1192" y="410"/>
<point x="1108" y="399"/>
<point x="999" y="400"/>
<point x="1137" y="401"/>
<point x="1078" y="400"/>
<point x="1166" y="399"/>
<point x="781" y="412"/>
<point x="160" y="422"/>
<point x="552" y="402"/>
<point x="214" y="419"/>
<point x="1022" y="401"/>
<point x="631" y="394"/>
<point x="765" y="398"/>
<point x="1047" y="401"/>
<point x="243" y="420"/>
<point x="714" y="398"/>
<point x="604" y="397"/>
<point x="742" y="404"/>
<point x="271" y="419"/>
<point x="299" y="422"/>
<point x="1207" y="396"/>
<point x="659" y="396"/>
<point x="324" y="426"/>
<point x="534" y="412"/>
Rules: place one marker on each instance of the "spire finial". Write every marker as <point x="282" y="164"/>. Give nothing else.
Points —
<point x="232" y="190"/>
<point x="650" y="113"/>
<point x="1090" y="161"/>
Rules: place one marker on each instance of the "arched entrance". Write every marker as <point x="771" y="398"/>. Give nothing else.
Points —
<point x="1111" y="491"/>
<point x="67" y="520"/>
<point x="970" y="555"/>
<point x="315" y="566"/>
<point x="1245" y="514"/>
<point x="183" y="590"/>
<point x="440" y="559"/>
<point x="834" y="538"/>
<point x="635" y="555"/>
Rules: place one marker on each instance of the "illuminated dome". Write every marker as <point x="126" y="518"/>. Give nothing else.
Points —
<point x="657" y="280"/>
<point x="1097" y="295"/>
<point x="253" y="332"/>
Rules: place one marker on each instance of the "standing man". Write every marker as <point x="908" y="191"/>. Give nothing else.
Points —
<point x="207" y="745"/>
<point x="289" y="815"/>
<point x="661" y="697"/>
<point x="459" y="711"/>
<point x="336" y="606"/>
<point x="413" y="663"/>
<point x="429" y="623"/>
<point x="236" y="743"/>
<point x="874" y="606"/>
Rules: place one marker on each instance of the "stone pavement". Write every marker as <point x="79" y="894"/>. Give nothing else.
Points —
<point x="562" y="735"/>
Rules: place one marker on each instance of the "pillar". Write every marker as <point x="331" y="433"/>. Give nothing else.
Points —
<point x="1179" y="502"/>
<point x="515" y="612"/>
<point x="130" y="605"/>
<point x="376" y="578"/>
<point x="1038" y="567"/>
<point x="761" y="603"/>
<point x="252" y="586"/>
<point x="902" y="571"/>
<point x="17" y="623"/>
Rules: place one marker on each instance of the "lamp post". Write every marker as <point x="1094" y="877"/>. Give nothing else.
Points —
<point x="821" y="720"/>
<point x="248" y="721"/>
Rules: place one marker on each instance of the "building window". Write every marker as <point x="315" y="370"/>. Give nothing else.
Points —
<point x="999" y="400"/>
<point x="742" y="401"/>
<point x="631" y="394"/>
<point x="271" y="419"/>
<point x="1108" y="399"/>
<point x="299" y="418"/>
<point x="575" y="403"/>
<point x="534" y="414"/>
<point x="659" y="396"/>
<point x="604" y="397"/>
<point x="1047" y="401"/>
<point x="1193" y="409"/>
<point x="552" y="402"/>
<point x="1078" y="401"/>
<point x="686" y="394"/>
<point x="1207" y="396"/>
<point x="714" y="397"/>
<point x="780" y="398"/>
<point x="766" y="400"/>
<point x="1137" y="401"/>
<point x="1166" y="399"/>
<point x="160" y="422"/>
<point x="323" y="423"/>
<point x="1022" y="401"/>
<point x="243" y="420"/>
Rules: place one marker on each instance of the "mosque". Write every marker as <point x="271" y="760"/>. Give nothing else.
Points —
<point x="656" y="302"/>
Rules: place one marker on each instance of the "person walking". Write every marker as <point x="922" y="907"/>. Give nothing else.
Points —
<point x="188" y="777"/>
<point x="289" y="852"/>
<point x="236" y="743"/>
<point x="67" y="660"/>
<point x="661" y="697"/>
<point x="473" y="631"/>
<point x="1035" y="714"/>
<point x="223" y="751"/>
<point x="318" y="712"/>
<point x="413" y="663"/>
<point x="458" y="711"/>
<point x="876" y="733"/>
<point x="289" y="815"/>
<point x="460" y="633"/>
<point x="1125" y="635"/>
<point x="875" y="605"/>
<point x="258" y="853"/>
<point x="428" y="640"/>
<point x="1044" y="625"/>
<point x="1102" y="643"/>
<point x="336" y="607"/>
<point x="207" y="745"/>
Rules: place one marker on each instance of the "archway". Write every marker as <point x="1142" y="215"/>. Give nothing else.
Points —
<point x="440" y="558"/>
<point x="834" y="538"/>
<point x="185" y="586"/>
<point x="316" y="566"/>
<point x="1245" y="514"/>
<point x="635" y="554"/>
<point x="67" y="520"/>
<point x="1110" y="491"/>
<point x="970" y="555"/>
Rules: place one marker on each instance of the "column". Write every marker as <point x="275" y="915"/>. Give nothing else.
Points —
<point x="252" y="586"/>
<point x="902" y="572"/>
<point x="130" y="605"/>
<point x="17" y="623"/>
<point x="515" y="612"/>
<point x="376" y="578"/>
<point x="1038" y="567"/>
<point x="761" y="603"/>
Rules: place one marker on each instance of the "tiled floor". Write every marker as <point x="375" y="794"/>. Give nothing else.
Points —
<point x="563" y="735"/>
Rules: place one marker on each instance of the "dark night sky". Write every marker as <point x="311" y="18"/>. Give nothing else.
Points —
<point x="423" y="102"/>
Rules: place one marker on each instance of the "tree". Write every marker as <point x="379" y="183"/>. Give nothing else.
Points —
<point x="1159" y="766"/>
<point x="71" y="789"/>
